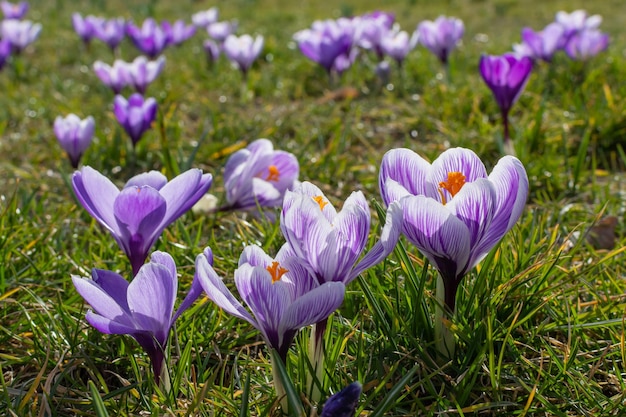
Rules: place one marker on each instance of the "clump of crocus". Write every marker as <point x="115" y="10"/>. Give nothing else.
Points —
<point x="281" y="293"/>
<point x="506" y="76"/>
<point x="137" y="215"/>
<point x="143" y="308"/>
<point x="135" y="114"/>
<point x="151" y="38"/>
<point x="259" y="176"/>
<point x="243" y="50"/>
<point x="115" y="76"/>
<point x="74" y="135"/>
<point x="370" y="29"/>
<point x="586" y="44"/>
<point x="343" y="403"/>
<point x="540" y="45"/>
<point x="332" y="242"/>
<point x="20" y="33"/>
<point x="142" y="72"/>
<point x="85" y="27"/>
<point x="110" y="31"/>
<point x="454" y="213"/>
<point x="14" y="10"/>
<point x="441" y="36"/>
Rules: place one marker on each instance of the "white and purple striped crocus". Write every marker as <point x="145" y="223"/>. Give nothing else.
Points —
<point x="454" y="212"/>
<point x="115" y="76"/>
<point x="441" y="36"/>
<point x="14" y="10"/>
<point x="135" y="115"/>
<point x="143" y="308"/>
<point x="281" y="293"/>
<point x="259" y="176"/>
<point x="137" y="215"/>
<point x="19" y="33"/>
<point x="219" y="31"/>
<point x="327" y="42"/>
<point x="506" y="75"/>
<point x="74" y="135"/>
<point x="142" y="72"/>
<point x="397" y="44"/>
<point x="243" y="50"/>
<point x="109" y="31"/>
<point x="370" y="29"/>
<point x="151" y="38"/>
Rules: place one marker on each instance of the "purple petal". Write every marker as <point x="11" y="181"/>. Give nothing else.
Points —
<point x="97" y="194"/>
<point x="140" y="210"/>
<point x="460" y="160"/>
<point x="312" y="307"/>
<point x="406" y="168"/>
<point x="152" y="179"/>
<point x="108" y="326"/>
<point x="103" y="303"/>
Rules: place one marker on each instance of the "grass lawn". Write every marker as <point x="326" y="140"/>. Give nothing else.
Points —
<point x="540" y="323"/>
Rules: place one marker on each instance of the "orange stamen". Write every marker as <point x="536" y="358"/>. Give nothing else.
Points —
<point x="273" y="173"/>
<point x="276" y="271"/>
<point x="320" y="201"/>
<point x="454" y="183"/>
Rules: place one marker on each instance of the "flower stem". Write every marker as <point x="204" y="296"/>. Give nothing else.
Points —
<point x="281" y="393"/>
<point x="444" y="339"/>
<point x="316" y="357"/>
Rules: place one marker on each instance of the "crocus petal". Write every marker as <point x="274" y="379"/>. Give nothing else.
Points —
<point x="108" y="326"/>
<point x="139" y="210"/>
<point x="460" y="160"/>
<point x="101" y="302"/>
<point x="97" y="194"/>
<point x="182" y="192"/>
<point x="113" y="284"/>
<point x="313" y="307"/>
<point x="474" y="205"/>
<point x="255" y="256"/>
<point x="406" y="168"/>
<point x="153" y="179"/>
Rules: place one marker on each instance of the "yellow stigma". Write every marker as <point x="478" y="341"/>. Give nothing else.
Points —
<point x="454" y="183"/>
<point x="274" y="174"/>
<point x="276" y="271"/>
<point x="320" y="201"/>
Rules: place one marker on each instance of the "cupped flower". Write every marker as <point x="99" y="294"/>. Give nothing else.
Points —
<point x="20" y="33"/>
<point x="151" y="38"/>
<point x="219" y="31"/>
<point x="74" y="135"/>
<point x="110" y="31"/>
<point x="85" y="26"/>
<point x="281" y="293"/>
<point x="14" y="10"/>
<point x="397" y="45"/>
<point x="142" y="72"/>
<point x="179" y="32"/>
<point x="326" y="42"/>
<point x="137" y="215"/>
<point x="586" y="44"/>
<point x="576" y="21"/>
<point x="259" y="176"/>
<point x="143" y="308"/>
<point x="116" y="76"/>
<point x="332" y="242"/>
<point x="371" y="28"/>
<point x="441" y="36"/>
<point x="541" y="45"/>
<point x="454" y="213"/>
<point x="243" y="50"/>
<point x="135" y="114"/>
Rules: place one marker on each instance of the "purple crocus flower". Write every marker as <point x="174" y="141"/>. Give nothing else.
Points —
<point x="20" y="33"/>
<point x="179" y="32"/>
<point x="397" y="44"/>
<point x="586" y="44"/>
<point x="259" y="176"/>
<point x="151" y="38"/>
<point x="5" y="51"/>
<point x="506" y="76"/>
<point x="325" y="42"/>
<point x="204" y="18"/>
<point x="331" y="242"/>
<point x="143" y="308"/>
<point x="243" y="50"/>
<point x="541" y="45"/>
<point x="575" y="22"/>
<point x="441" y="36"/>
<point x="135" y="114"/>
<point x="116" y="76"/>
<point x="14" y="10"/>
<point x="212" y="50"/>
<point x="281" y="293"/>
<point x="370" y="29"/>
<point x="137" y="215"/>
<point x="142" y="72"/>
<point x="74" y="135"/>
<point x="219" y="31"/>
<point x="454" y="213"/>
<point x="343" y="403"/>
<point x="85" y="26"/>
<point x="110" y="31"/>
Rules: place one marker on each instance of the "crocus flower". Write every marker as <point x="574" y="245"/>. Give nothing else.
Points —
<point x="243" y="50"/>
<point x="14" y="10"/>
<point x="576" y="21"/>
<point x="116" y="76"/>
<point x="137" y="215"/>
<point x="135" y="114"/>
<point x="204" y="18"/>
<point x="370" y="29"/>
<point x="179" y="32"/>
<point x="219" y="31"/>
<point x="5" y="51"/>
<point x="397" y="44"/>
<point x="20" y="33"/>
<point x="110" y="31"/>
<point x="454" y="213"/>
<point x="85" y="26"/>
<point x="151" y="38"/>
<point x="74" y="135"/>
<point x="441" y="36"/>
<point x="143" y="308"/>
<point x="541" y="45"/>
<point x="259" y="176"/>
<point x="142" y="72"/>
<point x="281" y="293"/>
<point x="586" y="44"/>
<point x="325" y="42"/>
<point x="506" y="76"/>
<point x="212" y="50"/>
<point x="343" y="403"/>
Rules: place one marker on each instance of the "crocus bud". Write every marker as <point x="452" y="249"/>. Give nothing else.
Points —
<point x="343" y="403"/>
<point x="135" y="114"/>
<point x="74" y="135"/>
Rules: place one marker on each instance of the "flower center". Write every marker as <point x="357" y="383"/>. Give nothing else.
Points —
<point x="276" y="271"/>
<point x="320" y="201"/>
<point x="273" y="174"/>
<point x="453" y="184"/>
